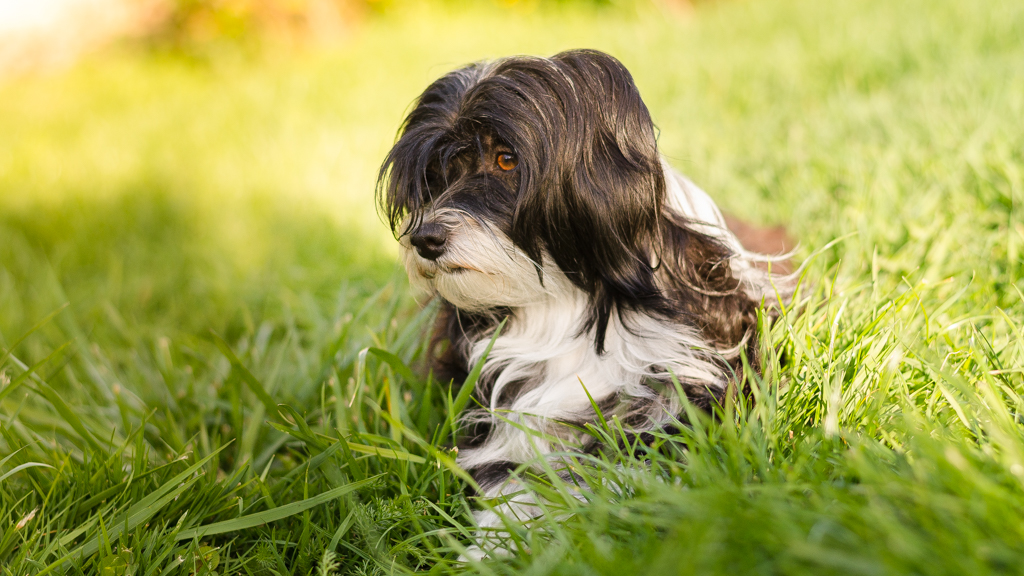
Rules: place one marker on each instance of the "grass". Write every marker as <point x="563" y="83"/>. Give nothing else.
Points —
<point x="211" y="364"/>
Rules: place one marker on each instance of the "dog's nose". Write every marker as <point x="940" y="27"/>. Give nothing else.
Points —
<point x="429" y="240"/>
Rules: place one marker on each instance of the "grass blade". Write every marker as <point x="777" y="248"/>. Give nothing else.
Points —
<point x="140" y="512"/>
<point x="32" y="330"/>
<point x="28" y="372"/>
<point x="278" y="513"/>
<point x="247" y="376"/>
<point x="386" y="453"/>
<point x="396" y="364"/>
<point x="21" y="467"/>
<point x="466" y="391"/>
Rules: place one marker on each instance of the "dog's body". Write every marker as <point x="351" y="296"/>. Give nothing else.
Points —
<point x="532" y="189"/>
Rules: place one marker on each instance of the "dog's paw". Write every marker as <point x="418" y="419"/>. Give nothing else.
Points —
<point x="473" y="554"/>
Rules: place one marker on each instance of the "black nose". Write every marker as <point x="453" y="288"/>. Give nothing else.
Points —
<point x="429" y="240"/>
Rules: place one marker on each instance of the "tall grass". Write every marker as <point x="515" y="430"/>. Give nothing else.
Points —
<point x="209" y="362"/>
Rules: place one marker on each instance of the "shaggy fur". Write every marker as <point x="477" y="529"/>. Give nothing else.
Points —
<point x="612" y="269"/>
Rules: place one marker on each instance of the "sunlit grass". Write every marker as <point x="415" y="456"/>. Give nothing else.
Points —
<point x="226" y="304"/>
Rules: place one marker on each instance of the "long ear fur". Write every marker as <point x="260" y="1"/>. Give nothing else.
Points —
<point x="697" y="275"/>
<point x="413" y="171"/>
<point x="593" y="198"/>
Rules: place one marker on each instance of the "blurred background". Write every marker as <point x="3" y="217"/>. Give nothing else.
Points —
<point x="173" y="166"/>
<point x="170" y="168"/>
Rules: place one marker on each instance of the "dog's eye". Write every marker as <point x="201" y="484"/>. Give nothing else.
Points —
<point x="507" y="161"/>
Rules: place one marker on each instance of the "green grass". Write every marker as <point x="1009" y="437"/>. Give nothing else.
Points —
<point x="197" y="302"/>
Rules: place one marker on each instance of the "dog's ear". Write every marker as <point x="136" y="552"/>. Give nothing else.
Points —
<point x="594" y="191"/>
<point x="413" y="171"/>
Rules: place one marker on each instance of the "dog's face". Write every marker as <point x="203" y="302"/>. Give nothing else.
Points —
<point x="458" y="244"/>
<point x="518" y="178"/>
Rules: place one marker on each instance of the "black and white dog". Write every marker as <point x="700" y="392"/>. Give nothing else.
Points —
<point x="532" y="189"/>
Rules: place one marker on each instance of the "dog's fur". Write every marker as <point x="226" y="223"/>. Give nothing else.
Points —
<point x="612" y="269"/>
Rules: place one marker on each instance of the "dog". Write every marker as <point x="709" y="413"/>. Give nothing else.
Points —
<point x="531" y="189"/>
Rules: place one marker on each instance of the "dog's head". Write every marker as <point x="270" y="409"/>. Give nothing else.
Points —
<point x="516" y="178"/>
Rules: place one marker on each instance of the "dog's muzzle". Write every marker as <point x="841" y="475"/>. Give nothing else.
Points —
<point x="430" y="240"/>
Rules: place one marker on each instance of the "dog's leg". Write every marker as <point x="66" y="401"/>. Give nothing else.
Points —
<point x="509" y="502"/>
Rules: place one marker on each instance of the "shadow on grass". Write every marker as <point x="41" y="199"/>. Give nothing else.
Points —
<point x="153" y="262"/>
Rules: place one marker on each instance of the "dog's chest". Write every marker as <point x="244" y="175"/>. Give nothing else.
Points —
<point x="545" y="364"/>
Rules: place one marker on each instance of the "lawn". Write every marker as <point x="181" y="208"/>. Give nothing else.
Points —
<point x="210" y="361"/>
